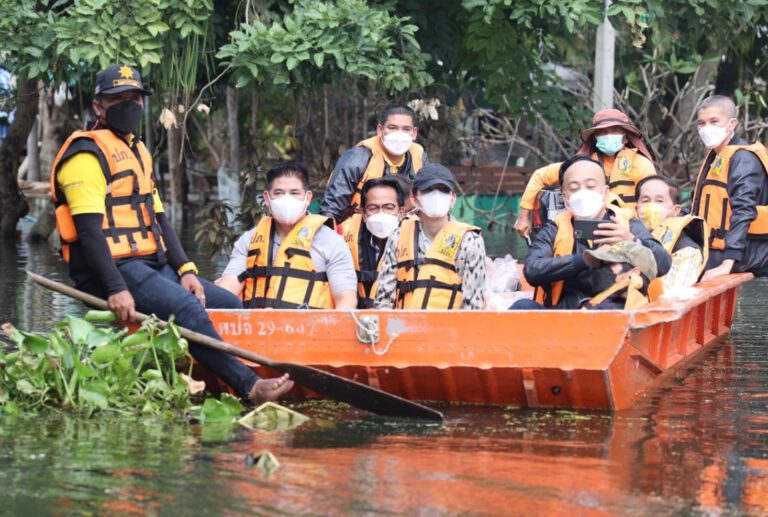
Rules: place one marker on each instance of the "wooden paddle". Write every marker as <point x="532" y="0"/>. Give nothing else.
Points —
<point x="325" y="383"/>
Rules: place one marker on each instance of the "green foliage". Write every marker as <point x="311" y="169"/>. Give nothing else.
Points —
<point x="43" y="38"/>
<point x="86" y="368"/>
<point x="510" y="43"/>
<point x="214" y="232"/>
<point x="318" y="42"/>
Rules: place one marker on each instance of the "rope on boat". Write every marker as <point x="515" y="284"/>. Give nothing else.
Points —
<point x="370" y="332"/>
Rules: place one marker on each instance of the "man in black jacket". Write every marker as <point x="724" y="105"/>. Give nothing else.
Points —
<point x="391" y="151"/>
<point x="564" y="277"/>
<point x="731" y="192"/>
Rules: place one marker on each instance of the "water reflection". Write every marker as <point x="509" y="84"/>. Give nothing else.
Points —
<point x="699" y="444"/>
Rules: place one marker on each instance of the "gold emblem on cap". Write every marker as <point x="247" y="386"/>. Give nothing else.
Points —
<point x="126" y="72"/>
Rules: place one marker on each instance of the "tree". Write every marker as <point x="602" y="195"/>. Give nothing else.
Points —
<point x="55" y="40"/>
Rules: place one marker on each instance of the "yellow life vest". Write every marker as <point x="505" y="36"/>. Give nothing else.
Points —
<point x="290" y="279"/>
<point x="376" y="164"/>
<point x="431" y="282"/>
<point x="632" y="284"/>
<point x="621" y="179"/>
<point x="711" y="199"/>
<point x="366" y="278"/>
<point x="669" y="232"/>
<point x="563" y="245"/>
<point x="129" y="224"/>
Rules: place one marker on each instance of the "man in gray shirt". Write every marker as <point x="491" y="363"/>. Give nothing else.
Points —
<point x="291" y="259"/>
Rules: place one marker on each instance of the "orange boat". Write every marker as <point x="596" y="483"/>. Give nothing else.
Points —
<point x="577" y="359"/>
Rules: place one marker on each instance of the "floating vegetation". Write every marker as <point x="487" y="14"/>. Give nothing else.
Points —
<point x="272" y="417"/>
<point x="264" y="461"/>
<point x="86" y="368"/>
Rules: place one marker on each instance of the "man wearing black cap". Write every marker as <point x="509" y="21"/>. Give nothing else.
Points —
<point x="116" y="238"/>
<point x="435" y="261"/>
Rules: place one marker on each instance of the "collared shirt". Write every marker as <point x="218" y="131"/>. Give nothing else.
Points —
<point x="470" y="265"/>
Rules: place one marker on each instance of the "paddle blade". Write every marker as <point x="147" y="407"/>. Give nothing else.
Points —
<point x="356" y="394"/>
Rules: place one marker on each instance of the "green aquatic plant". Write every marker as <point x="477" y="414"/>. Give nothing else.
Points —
<point x="85" y="367"/>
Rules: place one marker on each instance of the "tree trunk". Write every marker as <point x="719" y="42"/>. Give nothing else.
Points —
<point x="33" y="152"/>
<point x="176" y="172"/>
<point x="13" y="205"/>
<point x="46" y="223"/>
<point x="54" y="126"/>
<point x="228" y="176"/>
<point x="233" y="129"/>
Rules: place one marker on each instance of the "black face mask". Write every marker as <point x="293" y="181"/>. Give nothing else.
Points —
<point x="124" y="117"/>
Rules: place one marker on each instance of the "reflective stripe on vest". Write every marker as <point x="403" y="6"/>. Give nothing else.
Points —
<point x="711" y="199"/>
<point x="631" y="284"/>
<point x="129" y="224"/>
<point x="669" y="232"/>
<point x="431" y="282"/>
<point x="289" y="280"/>
<point x="376" y="164"/>
<point x="366" y="278"/>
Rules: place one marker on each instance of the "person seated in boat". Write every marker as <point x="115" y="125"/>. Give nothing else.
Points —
<point x="392" y="151"/>
<point x="556" y="265"/>
<point x="616" y="144"/>
<point x="366" y="232"/>
<point x="685" y="237"/>
<point x="291" y="259"/>
<point x="433" y="261"/>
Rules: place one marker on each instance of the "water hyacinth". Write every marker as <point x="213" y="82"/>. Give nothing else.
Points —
<point x="86" y="368"/>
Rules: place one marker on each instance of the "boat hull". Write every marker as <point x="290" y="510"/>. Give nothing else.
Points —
<point x="579" y="359"/>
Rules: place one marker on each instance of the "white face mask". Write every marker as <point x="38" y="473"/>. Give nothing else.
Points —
<point x="397" y="142"/>
<point x="381" y="225"/>
<point x="435" y="203"/>
<point x="286" y="209"/>
<point x="712" y="136"/>
<point x="585" y="203"/>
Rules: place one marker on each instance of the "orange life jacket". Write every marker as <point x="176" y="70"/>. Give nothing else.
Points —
<point x="621" y="179"/>
<point x="563" y="245"/>
<point x="366" y="278"/>
<point x="375" y="167"/>
<point x="129" y="225"/>
<point x="712" y="202"/>
<point x="431" y="282"/>
<point x="669" y="232"/>
<point x="290" y="279"/>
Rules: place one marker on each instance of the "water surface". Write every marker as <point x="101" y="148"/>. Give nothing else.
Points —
<point x="696" y="445"/>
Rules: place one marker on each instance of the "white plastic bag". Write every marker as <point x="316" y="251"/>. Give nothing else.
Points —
<point x="502" y="281"/>
<point x="502" y="274"/>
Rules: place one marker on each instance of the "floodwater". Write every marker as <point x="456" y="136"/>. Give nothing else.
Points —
<point x="697" y="445"/>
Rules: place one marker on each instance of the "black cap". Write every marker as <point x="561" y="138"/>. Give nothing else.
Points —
<point x="117" y="79"/>
<point x="431" y="175"/>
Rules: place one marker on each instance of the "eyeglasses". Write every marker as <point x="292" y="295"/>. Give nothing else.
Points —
<point x="387" y="208"/>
